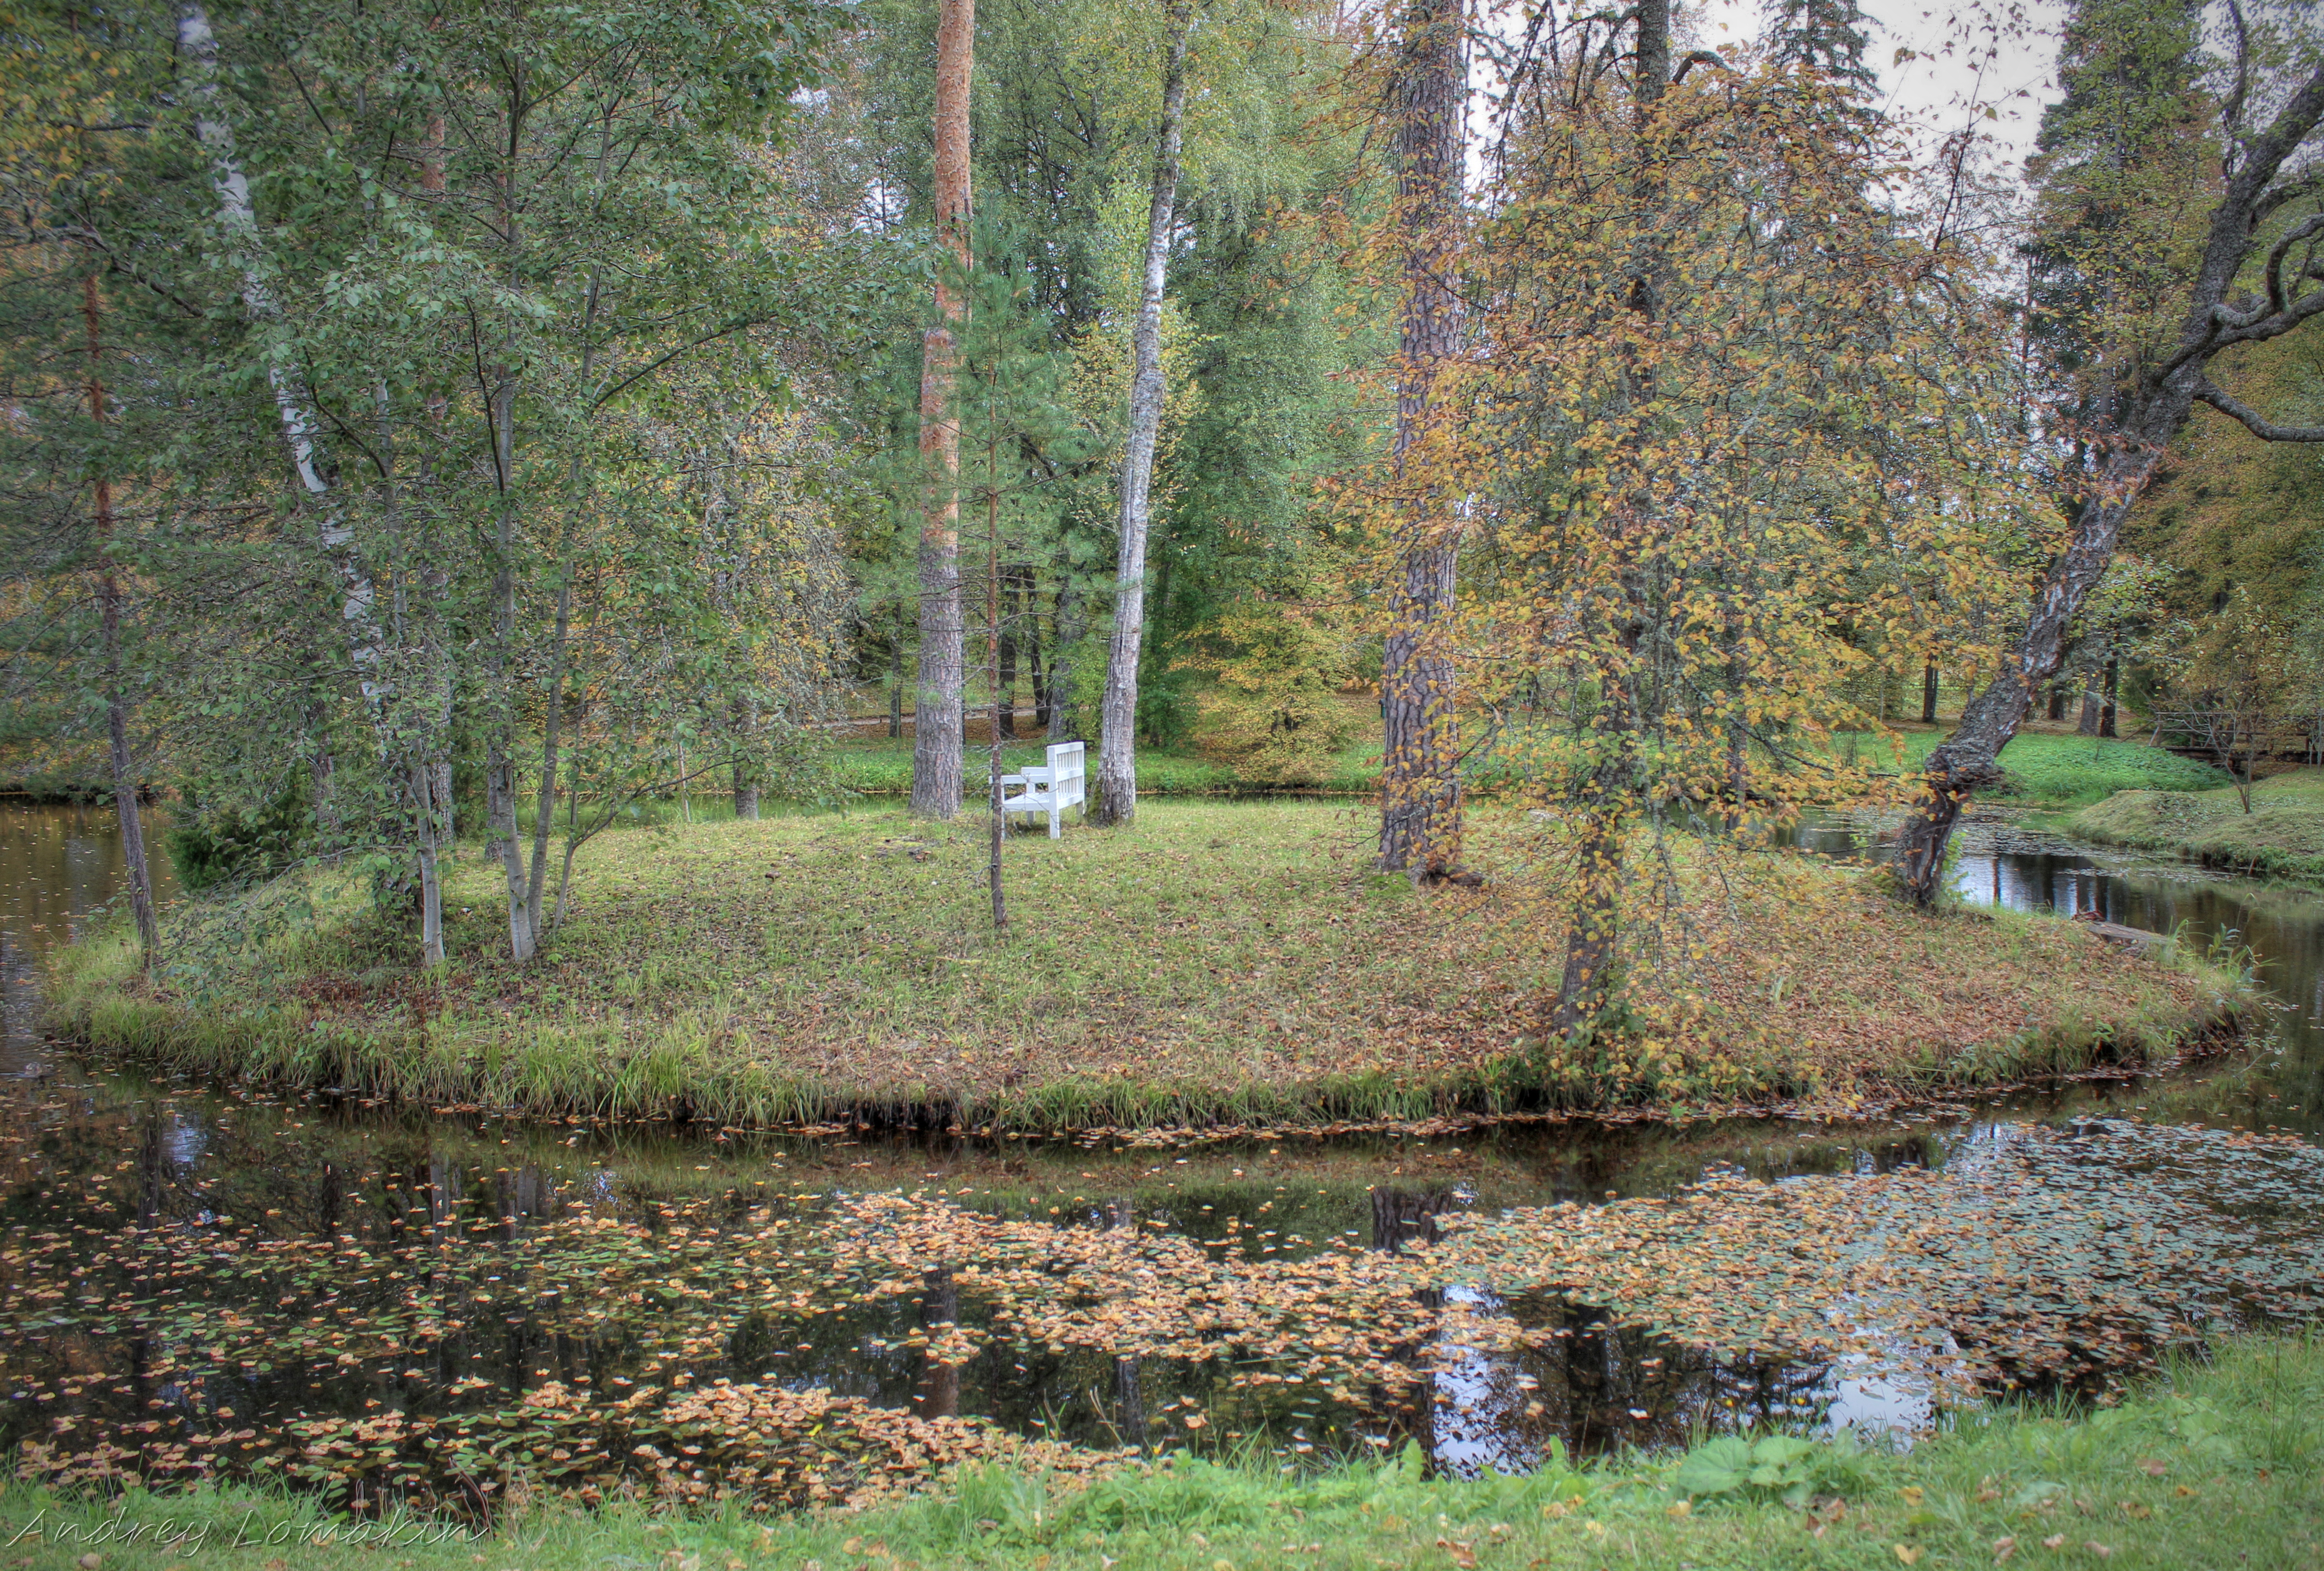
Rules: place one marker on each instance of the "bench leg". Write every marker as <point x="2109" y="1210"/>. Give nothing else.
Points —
<point x="1054" y="815"/>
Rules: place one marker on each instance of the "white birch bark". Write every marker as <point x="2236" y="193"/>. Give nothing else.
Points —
<point x="1117" y="755"/>
<point x="293" y="403"/>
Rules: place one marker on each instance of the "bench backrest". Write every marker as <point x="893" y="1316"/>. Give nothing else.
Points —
<point x="1067" y="770"/>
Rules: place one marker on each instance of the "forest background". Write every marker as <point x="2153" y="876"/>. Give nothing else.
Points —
<point x="432" y="416"/>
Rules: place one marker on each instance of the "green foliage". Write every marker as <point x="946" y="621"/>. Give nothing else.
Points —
<point x="214" y="841"/>
<point x="1273" y="710"/>
<point x="1782" y="1468"/>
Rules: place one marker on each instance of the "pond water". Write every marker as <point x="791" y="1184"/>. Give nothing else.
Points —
<point x="207" y="1281"/>
<point x="2002" y="863"/>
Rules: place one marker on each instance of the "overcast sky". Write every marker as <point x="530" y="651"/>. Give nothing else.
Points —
<point x="1959" y="65"/>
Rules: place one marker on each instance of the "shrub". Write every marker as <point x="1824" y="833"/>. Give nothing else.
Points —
<point x="1272" y="711"/>
<point x="220" y="841"/>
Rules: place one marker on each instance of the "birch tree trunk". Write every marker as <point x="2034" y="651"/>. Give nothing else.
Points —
<point x="936" y="735"/>
<point x="420" y="776"/>
<point x="1116" y="796"/>
<point x="1420" y="786"/>
<point x="293" y="403"/>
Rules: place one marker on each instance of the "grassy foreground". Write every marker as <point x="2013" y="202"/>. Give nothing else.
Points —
<point x="2282" y="835"/>
<point x="2215" y="1465"/>
<point x="1220" y="961"/>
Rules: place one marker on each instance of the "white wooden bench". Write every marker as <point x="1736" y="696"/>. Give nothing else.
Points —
<point x="1047" y="788"/>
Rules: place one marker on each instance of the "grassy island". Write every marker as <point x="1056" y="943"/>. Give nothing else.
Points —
<point x="1221" y="961"/>
<point x="2281" y="835"/>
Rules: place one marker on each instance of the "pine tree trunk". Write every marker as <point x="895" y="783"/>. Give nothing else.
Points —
<point x="1067" y="619"/>
<point x="996" y="613"/>
<point x="936" y="731"/>
<point x="2106" y="708"/>
<point x="1929" y="693"/>
<point x="1420" y="785"/>
<point x="1115" y="798"/>
<point x="125" y="773"/>
<point x="431" y="884"/>
<point x="125" y="808"/>
<point x="896" y="686"/>
<point x="1004" y="664"/>
<point x="1030" y="599"/>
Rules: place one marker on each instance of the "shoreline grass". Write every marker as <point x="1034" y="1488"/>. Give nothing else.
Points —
<point x="2215" y="1462"/>
<point x="1236" y="964"/>
<point x="2282" y="836"/>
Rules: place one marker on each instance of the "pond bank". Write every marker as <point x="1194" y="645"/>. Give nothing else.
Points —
<point x="1222" y="963"/>
<point x="2214" y="1464"/>
<point x="2282" y="836"/>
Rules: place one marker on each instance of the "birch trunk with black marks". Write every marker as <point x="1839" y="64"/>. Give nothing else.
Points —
<point x="423" y="778"/>
<point x="1420" y="784"/>
<point x="293" y="403"/>
<point x="2153" y="399"/>
<point x="1115" y="798"/>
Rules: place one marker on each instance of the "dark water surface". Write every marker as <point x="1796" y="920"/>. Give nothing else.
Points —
<point x="197" y="1279"/>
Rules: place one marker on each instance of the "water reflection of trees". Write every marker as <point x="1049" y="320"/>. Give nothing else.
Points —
<point x="1485" y="1383"/>
<point x="1509" y="1376"/>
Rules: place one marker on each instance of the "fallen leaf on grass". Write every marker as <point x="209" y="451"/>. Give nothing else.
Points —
<point x="2153" y="1466"/>
<point x="2136" y="1511"/>
<point x="1908" y="1553"/>
<point x="2054" y="1541"/>
<point x="2003" y="1549"/>
<point x="2101" y="1550"/>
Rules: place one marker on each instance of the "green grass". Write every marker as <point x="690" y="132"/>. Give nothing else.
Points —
<point x="881" y="767"/>
<point x="2054" y="770"/>
<point x="2212" y="1464"/>
<point x="1235" y="962"/>
<point x="2282" y="836"/>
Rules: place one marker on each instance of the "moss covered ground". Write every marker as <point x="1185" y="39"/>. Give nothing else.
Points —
<point x="1220" y="961"/>
<point x="2216" y="1464"/>
<point x="2282" y="836"/>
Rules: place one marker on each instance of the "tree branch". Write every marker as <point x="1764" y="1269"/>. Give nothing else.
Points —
<point x="2311" y="225"/>
<point x="2260" y="426"/>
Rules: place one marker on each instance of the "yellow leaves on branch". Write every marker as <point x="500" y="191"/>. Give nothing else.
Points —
<point x="1729" y="434"/>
